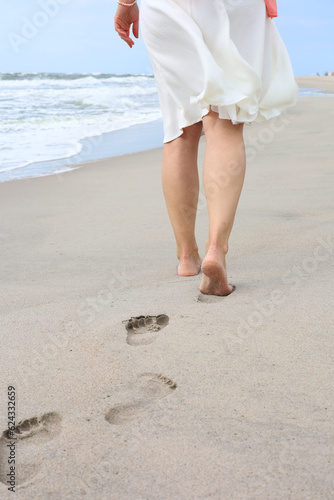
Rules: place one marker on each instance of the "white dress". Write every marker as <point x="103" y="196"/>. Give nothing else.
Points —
<point x="223" y="53"/>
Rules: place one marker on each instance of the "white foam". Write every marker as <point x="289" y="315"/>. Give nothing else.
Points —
<point x="313" y="92"/>
<point x="44" y="117"/>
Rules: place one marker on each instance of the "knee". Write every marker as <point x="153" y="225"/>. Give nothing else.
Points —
<point x="188" y="140"/>
<point x="210" y="120"/>
<point x="192" y="133"/>
<point x="212" y="124"/>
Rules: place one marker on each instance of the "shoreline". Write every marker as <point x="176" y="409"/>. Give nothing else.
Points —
<point x="316" y="82"/>
<point x="140" y="137"/>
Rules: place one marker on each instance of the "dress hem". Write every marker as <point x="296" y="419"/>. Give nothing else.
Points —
<point x="273" y="114"/>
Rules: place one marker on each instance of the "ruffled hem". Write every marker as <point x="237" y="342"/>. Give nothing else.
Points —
<point x="262" y="115"/>
<point x="282" y="92"/>
<point x="231" y="58"/>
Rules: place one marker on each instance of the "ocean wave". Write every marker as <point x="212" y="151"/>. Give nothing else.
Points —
<point x="111" y="86"/>
<point x="44" y="116"/>
<point x="54" y="77"/>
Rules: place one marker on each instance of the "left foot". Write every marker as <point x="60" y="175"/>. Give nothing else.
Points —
<point x="214" y="280"/>
<point x="189" y="265"/>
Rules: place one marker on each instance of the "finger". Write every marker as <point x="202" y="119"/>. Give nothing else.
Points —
<point x="127" y="40"/>
<point x="121" y="29"/>
<point x="123" y="32"/>
<point x="135" y="29"/>
<point x="125" y="36"/>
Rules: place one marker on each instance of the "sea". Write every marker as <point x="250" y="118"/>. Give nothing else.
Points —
<point x="51" y="122"/>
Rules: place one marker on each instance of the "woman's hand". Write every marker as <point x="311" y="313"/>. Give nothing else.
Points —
<point x="124" y="17"/>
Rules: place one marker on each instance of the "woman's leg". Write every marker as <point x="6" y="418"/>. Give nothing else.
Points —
<point x="181" y="187"/>
<point x="223" y="177"/>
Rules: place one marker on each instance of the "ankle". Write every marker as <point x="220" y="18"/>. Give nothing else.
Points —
<point x="221" y="248"/>
<point x="187" y="253"/>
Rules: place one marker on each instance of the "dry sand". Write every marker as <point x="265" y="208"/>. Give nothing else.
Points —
<point x="233" y="397"/>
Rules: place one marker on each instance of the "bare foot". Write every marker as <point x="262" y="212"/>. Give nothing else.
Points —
<point x="214" y="280"/>
<point x="189" y="265"/>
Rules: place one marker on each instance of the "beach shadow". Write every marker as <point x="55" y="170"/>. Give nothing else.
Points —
<point x="149" y="388"/>
<point x="213" y="298"/>
<point x="142" y="330"/>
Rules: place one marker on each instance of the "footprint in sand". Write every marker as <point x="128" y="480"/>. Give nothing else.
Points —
<point x="33" y="431"/>
<point x="142" y="330"/>
<point x="149" y="388"/>
<point x="212" y="298"/>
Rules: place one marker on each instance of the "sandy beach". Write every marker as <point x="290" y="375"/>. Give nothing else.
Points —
<point x="324" y="82"/>
<point x="212" y="397"/>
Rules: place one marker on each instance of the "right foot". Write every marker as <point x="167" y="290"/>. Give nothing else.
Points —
<point x="214" y="280"/>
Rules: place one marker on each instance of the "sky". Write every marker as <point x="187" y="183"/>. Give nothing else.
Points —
<point x="78" y="36"/>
